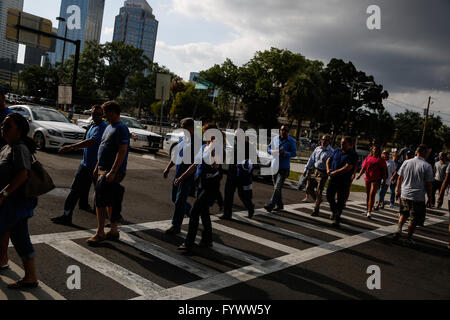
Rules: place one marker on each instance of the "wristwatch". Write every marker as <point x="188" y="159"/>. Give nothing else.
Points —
<point x="5" y="193"/>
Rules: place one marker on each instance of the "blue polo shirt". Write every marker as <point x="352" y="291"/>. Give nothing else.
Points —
<point x="4" y="113"/>
<point x="290" y="148"/>
<point x="340" y="159"/>
<point x="205" y="170"/>
<point x="90" y="154"/>
<point x="114" y="136"/>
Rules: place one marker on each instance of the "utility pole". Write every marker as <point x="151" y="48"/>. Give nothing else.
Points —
<point x="426" y="120"/>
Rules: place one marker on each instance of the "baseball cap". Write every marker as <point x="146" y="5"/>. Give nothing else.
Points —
<point x="409" y="152"/>
<point x="2" y="90"/>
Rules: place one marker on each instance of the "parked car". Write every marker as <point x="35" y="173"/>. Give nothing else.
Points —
<point x="50" y="128"/>
<point x="141" y="138"/>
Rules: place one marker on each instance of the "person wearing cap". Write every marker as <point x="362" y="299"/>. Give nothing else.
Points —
<point x="4" y="111"/>
<point x="439" y="175"/>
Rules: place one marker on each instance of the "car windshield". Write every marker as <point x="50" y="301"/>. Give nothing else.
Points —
<point x="132" y="123"/>
<point x="49" y="115"/>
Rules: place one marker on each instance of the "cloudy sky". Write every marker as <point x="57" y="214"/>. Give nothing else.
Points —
<point x="410" y="55"/>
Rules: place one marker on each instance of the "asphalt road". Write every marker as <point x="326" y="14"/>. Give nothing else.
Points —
<point x="288" y="255"/>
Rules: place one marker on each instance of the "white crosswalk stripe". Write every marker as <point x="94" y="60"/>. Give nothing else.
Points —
<point x="212" y="280"/>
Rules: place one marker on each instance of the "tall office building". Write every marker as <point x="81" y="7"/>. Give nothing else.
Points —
<point x="8" y="49"/>
<point x="84" y="21"/>
<point x="36" y="56"/>
<point x="137" y="26"/>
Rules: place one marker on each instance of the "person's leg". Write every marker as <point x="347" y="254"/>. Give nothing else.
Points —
<point x="75" y="192"/>
<point x="230" y="189"/>
<point x="311" y="186"/>
<point x="275" y="195"/>
<point x="342" y="191"/>
<point x="392" y="195"/>
<point x="368" y="188"/>
<point x="374" y="186"/>
<point x="246" y="197"/>
<point x="102" y="195"/>
<point x="321" y="181"/>
<point x="213" y="187"/>
<point x="382" y="195"/>
<point x="331" y="195"/>
<point x="182" y="206"/>
<point x="404" y="215"/>
<point x="281" y="180"/>
<point x="448" y="246"/>
<point x="20" y="237"/>
<point x="116" y="208"/>
<point x="200" y="205"/>
<point x="4" y="243"/>
<point x="83" y="202"/>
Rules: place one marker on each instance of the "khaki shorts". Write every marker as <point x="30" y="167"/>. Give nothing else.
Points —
<point x="413" y="209"/>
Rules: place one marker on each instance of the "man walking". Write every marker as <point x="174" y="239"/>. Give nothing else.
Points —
<point x="181" y="191"/>
<point x="415" y="178"/>
<point x="283" y="148"/>
<point x="439" y="175"/>
<point x="110" y="172"/>
<point x="444" y="186"/>
<point x="340" y="169"/>
<point x="319" y="177"/>
<point x="79" y="191"/>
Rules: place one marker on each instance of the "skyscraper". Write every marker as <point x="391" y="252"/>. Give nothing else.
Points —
<point x="137" y="26"/>
<point x="8" y="49"/>
<point x="84" y="21"/>
<point x="34" y="56"/>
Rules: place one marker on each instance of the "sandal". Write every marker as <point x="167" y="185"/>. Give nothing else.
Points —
<point x="96" y="239"/>
<point x="23" y="285"/>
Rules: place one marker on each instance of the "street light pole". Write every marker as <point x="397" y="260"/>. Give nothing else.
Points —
<point x="426" y="120"/>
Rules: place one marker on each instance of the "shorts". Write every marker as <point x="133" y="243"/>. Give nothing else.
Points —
<point x="413" y="209"/>
<point x="105" y="192"/>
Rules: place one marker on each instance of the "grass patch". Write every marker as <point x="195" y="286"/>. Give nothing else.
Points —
<point x="295" y="176"/>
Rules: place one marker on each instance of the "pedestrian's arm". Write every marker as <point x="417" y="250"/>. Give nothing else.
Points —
<point x="19" y="179"/>
<point x="348" y="167"/>
<point x="292" y="150"/>
<point x="120" y="158"/>
<point x="328" y="166"/>
<point x="355" y="169"/>
<point x="399" y="187"/>
<point x="311" y="161"/>
<point x="187" y="173"/>
<point x="80" y="145"/>
<point x="443" y="187"/>
<point x="429" y="187"/>
<point x="169" y="166"/>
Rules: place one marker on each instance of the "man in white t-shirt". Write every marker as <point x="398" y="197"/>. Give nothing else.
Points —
<point x="415" y="178"/>
<point x="444" y="186"/>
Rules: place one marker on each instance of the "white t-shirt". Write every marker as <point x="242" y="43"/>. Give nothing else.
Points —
<point x="448" y="172"/>
<point x="416" y="173"/>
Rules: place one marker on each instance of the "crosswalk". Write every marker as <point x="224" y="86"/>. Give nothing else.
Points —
<point x="316" y="235"/>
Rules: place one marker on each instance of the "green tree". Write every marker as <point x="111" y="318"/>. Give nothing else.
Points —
<point x="40" y="81"/>
<point x="191" y="101"/>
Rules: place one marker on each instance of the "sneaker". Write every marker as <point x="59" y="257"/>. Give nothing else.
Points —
<point x="173" y="231"/>
<point x="396" y="236"/>
<point x="376" y="208"/>
<point x="63" y="220"/>
<point x="268" y="208"/>
<point x="279" y="208"/>
<point x="369" y="215"/>
<point x="307" y="200"/>
<point x="336" y="223"/>
<point x="114" y="236"/>
<point x="185" y="247"/>
<point x="332" y="216"/>
<point x="391" y="205"/>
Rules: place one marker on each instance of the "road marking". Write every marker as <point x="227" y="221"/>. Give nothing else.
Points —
<point x="43" y="292"/>
<point x="372" y="222"/>
<point x="165" y="255"/>
<point x="244" y="274"/>
<point x="230" y="252"/>
<point x="149" y="157"/>
<point x="328" y="221"/>
<point x="278" y="230"/>
<point x="301" y="224"/>
<point x="256" y="239"/>
<point x="126" y="278"/>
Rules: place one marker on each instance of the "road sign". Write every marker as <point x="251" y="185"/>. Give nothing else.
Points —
<point x="204" y="82"/>
<point x="17" y="19"/>
<point x="163" y="86"/>
<point x="200" y="86"/>
<point x="64" y="95"/>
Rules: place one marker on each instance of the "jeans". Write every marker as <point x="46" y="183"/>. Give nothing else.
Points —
<point x="20" y="237"/>
<point x="180" y="194"/>
<point x="200" y="208"/>
<point x="382" y="194"/>
<point x="393" y="186"/>
<point x="436" y="187"/>
<point x="246" y="196"/>
<point x="278" y="181"/>
<point x="79" y="191"/>
<point x="338" y="186"/>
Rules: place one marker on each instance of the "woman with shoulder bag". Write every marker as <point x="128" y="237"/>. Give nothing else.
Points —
<point x="15" y="208"/>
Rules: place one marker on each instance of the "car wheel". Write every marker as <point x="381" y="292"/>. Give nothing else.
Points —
<point x="40" y="141"/>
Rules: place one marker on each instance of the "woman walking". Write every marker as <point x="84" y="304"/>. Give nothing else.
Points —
<point x="15" y="209"/>
<point x="376" y="172"/>
<point x="391" y="168"/>
<point x="209" y="173"/>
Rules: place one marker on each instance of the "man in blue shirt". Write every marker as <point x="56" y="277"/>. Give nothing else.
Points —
<point x="181" y="192"/>
<point x="81" y="185"/>
<point x="340" y="169"/>
<point x="283" y="148"/>
<point x="110" y="172"/>
<point x="4" y="111"/>
<point x="317" y="180"/>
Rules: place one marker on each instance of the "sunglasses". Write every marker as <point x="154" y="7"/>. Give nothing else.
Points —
<point x="97" y="114"/>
